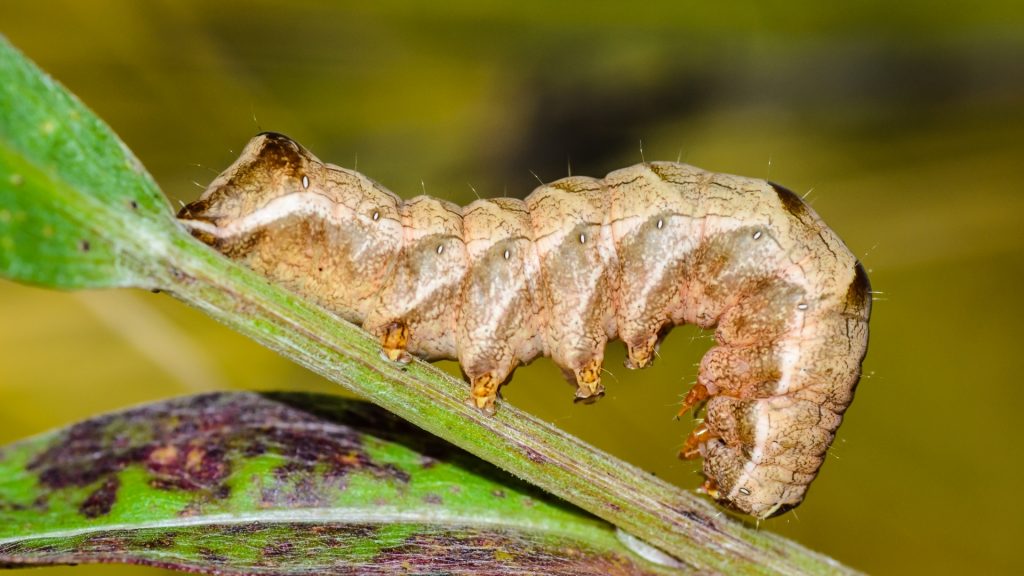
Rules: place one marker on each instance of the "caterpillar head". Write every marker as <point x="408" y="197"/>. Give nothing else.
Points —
<point x="271" y="165"/>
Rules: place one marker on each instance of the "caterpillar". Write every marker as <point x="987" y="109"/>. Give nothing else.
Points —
<point x="578" y="263"/>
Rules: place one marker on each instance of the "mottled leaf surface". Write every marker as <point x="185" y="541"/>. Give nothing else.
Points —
<point x="283" y="484"/>
<point x="76" y="206"/>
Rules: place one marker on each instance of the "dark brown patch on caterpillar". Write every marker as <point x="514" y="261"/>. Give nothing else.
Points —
<point x="858" y="296"/>
<point x="791" y="202"/>
<point x="281" y="153"/>
<point x="197" y="210"/>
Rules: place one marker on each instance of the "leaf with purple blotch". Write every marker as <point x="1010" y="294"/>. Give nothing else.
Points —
<point x="245" y="483"/>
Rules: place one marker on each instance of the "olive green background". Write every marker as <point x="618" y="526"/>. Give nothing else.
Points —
<point x="904" y="123"/>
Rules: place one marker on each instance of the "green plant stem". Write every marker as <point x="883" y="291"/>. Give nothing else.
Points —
<point x="674" y="520"/>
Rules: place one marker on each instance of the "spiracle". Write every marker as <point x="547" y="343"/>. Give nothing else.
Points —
<point x="580" y="262"/>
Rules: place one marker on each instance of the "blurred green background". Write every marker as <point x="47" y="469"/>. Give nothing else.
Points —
<point x="904" y="121"/>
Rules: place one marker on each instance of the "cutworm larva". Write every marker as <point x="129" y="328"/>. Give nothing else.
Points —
<point x="579" y="262"/>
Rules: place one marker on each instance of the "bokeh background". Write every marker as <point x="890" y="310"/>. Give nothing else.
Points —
<point x="904" y="123"/>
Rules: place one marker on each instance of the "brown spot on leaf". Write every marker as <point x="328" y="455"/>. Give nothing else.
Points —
<point x="74" y="461"/>
<point x="222" y="492"/>
<point x="277" y="550"/>
<point x="187" y="467"/>
<point x="698" y="518"/>
<point x="211" y="557"/>
<point x="163" y="456"/>
<point x="318" y="548"/>
<point x="101" y="500"/>
<point x="351" y="459"/>
<point x="178" y="274"/>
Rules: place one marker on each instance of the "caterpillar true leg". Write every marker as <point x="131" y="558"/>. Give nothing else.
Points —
<point x="697" y="394"/>
<point x="691" y="446"/>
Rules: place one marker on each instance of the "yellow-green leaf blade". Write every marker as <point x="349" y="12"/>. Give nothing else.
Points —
<point x="76" y="206"/>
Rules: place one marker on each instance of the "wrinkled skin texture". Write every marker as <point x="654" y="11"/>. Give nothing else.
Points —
<point x="581" y="261"/>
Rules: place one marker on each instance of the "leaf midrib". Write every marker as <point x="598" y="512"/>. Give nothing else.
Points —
<point x="343" y="516"/>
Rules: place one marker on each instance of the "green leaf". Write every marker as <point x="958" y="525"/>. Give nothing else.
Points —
<point x="283" y="483"/>
<point x="76" y="207"/>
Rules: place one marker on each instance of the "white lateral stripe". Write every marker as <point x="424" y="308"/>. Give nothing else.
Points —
<point x="298" y="204"/>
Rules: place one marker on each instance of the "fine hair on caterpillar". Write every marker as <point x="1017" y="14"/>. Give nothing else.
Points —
<point x="580" y="262"/>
